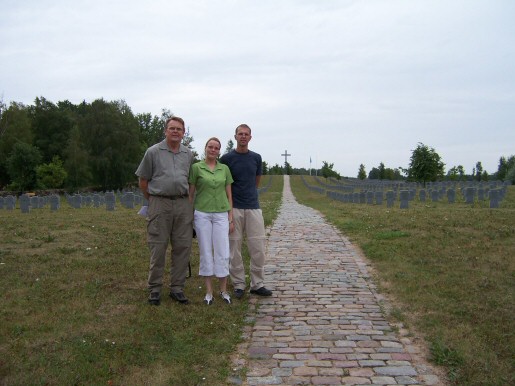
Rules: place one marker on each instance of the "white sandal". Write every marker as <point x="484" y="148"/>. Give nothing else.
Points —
<point x="225" y="296"/>
<point x="208" y="299"/>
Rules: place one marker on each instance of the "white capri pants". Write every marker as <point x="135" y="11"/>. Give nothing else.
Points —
<point x="213" y="242"/>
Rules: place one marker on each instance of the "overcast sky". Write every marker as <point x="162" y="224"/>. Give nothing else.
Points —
<point x="347" y="82"/>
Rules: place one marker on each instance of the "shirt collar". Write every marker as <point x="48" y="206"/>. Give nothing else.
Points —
<point x="164" y="146"/>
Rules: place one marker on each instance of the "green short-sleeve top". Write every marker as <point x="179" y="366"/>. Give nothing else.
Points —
<point x="210" y="187"/>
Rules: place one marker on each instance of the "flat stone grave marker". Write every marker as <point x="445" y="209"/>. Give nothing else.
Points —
<point x="390" y="197"/>
<point x="422" y="195"/>
<point x="355" y="198"/>
<point x="412" y="194"/>
<point x="379" y="197"/>
<point x="481" y="194"/>
<point x="25" y="203"/>
<point x="96" y="200"/>
<point x="435" y="195"/>
<point x="470" y="194"/>
<point x="370" y="197"/>
<point x="55" y="202"/>
<point x="128" y="200"/>
<point x="10" y="202"/>
<point x="34" y="202"/>
<point x="451" y="196"/>
<point x="77" y="201"/>
<point x="110" y="201"/>
<point x="362" y="197"/>
<point x="404" y="199"/>
<point x="494" y="198"/>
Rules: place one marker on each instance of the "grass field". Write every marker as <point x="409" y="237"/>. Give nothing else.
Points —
<point x="450" y="269"/>
<point x="74" y="312"/>
<point x="74" y="304"/>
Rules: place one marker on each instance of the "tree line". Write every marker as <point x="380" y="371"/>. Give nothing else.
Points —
<point x="426" y="165"/>
<point x="73" y="146"/>
<point x="95" y="145"/>
<point x="99" y="145"/>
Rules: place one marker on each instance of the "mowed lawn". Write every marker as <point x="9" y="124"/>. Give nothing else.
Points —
<point x="450" y="271"/>
<point x="74" y="310"/>
<point x="73" y="306"/>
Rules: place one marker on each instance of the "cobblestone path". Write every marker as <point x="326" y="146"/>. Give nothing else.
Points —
<point x="324" y="324"/>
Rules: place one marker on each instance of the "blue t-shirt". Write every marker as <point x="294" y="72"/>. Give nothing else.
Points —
<point x="244" y="168"/>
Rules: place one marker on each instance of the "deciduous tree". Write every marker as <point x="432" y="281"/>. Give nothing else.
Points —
<point x="21" y="166"/>
<point x="425" y="165"/>
<point x="15" y="127"/>
<point x="479" y="170"/>
<point x="76" y="162"/>
<point x="51" y="127"/>
<point x="327" y="170"/>
<point x="362" y="174"/>
<point x="51" y="175"/>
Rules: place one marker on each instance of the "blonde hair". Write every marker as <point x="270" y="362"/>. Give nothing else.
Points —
<point x="213" y="139"/>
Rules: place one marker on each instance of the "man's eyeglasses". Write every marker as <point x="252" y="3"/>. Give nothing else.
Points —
<point x="174" y="128"/>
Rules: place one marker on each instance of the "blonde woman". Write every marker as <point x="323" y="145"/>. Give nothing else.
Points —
<point x="210" y="192"/>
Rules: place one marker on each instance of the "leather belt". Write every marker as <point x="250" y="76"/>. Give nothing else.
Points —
<point x="171" y="197"/>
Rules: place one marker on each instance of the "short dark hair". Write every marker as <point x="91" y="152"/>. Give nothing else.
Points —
<point x="177" y="119"/>
<point x="244" y="126"/>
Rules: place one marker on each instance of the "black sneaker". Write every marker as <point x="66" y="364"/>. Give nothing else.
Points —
<point x="239" y="293"/>
<point x="179" y="296"/>
<point x="154" y="298"/>
<point x="261" y="292"/>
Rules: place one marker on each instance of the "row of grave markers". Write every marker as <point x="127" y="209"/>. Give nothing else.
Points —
<point x="109" y="199"/>
<point x="405" y="194"/>
<point x="127" y="199"/>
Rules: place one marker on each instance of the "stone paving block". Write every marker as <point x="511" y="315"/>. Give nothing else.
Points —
<point x="292" y="364"/>
<point x="326" y="380"/>
<point x="305" y="357"/>
<point x="404" y="380"/>
<point x="264" y="380"/>
<point x="395" y="370"/>
<point x="361" y="372"/>
<point x="305" y="371"/>
<point x="282" y="372"/>
<point x="258" y="372"/>
<point x="383" y="381"/>
<point x="371" y="363"/>
<point x="284" y="357"/>
<point x="345" y="364"/>
<point x="317" y="363"/>
<point x="331" y="371"/>
<point x="397" y="363"/>
<point x="297" y="380"/>
<point x="356" y="381"/>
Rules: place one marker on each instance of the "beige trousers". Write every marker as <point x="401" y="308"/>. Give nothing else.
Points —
<point x="169" y="221"/>
<point x="248" y="223"/>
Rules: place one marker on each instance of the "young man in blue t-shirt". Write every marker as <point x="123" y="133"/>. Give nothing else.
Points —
<point x="245" y="167"/>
